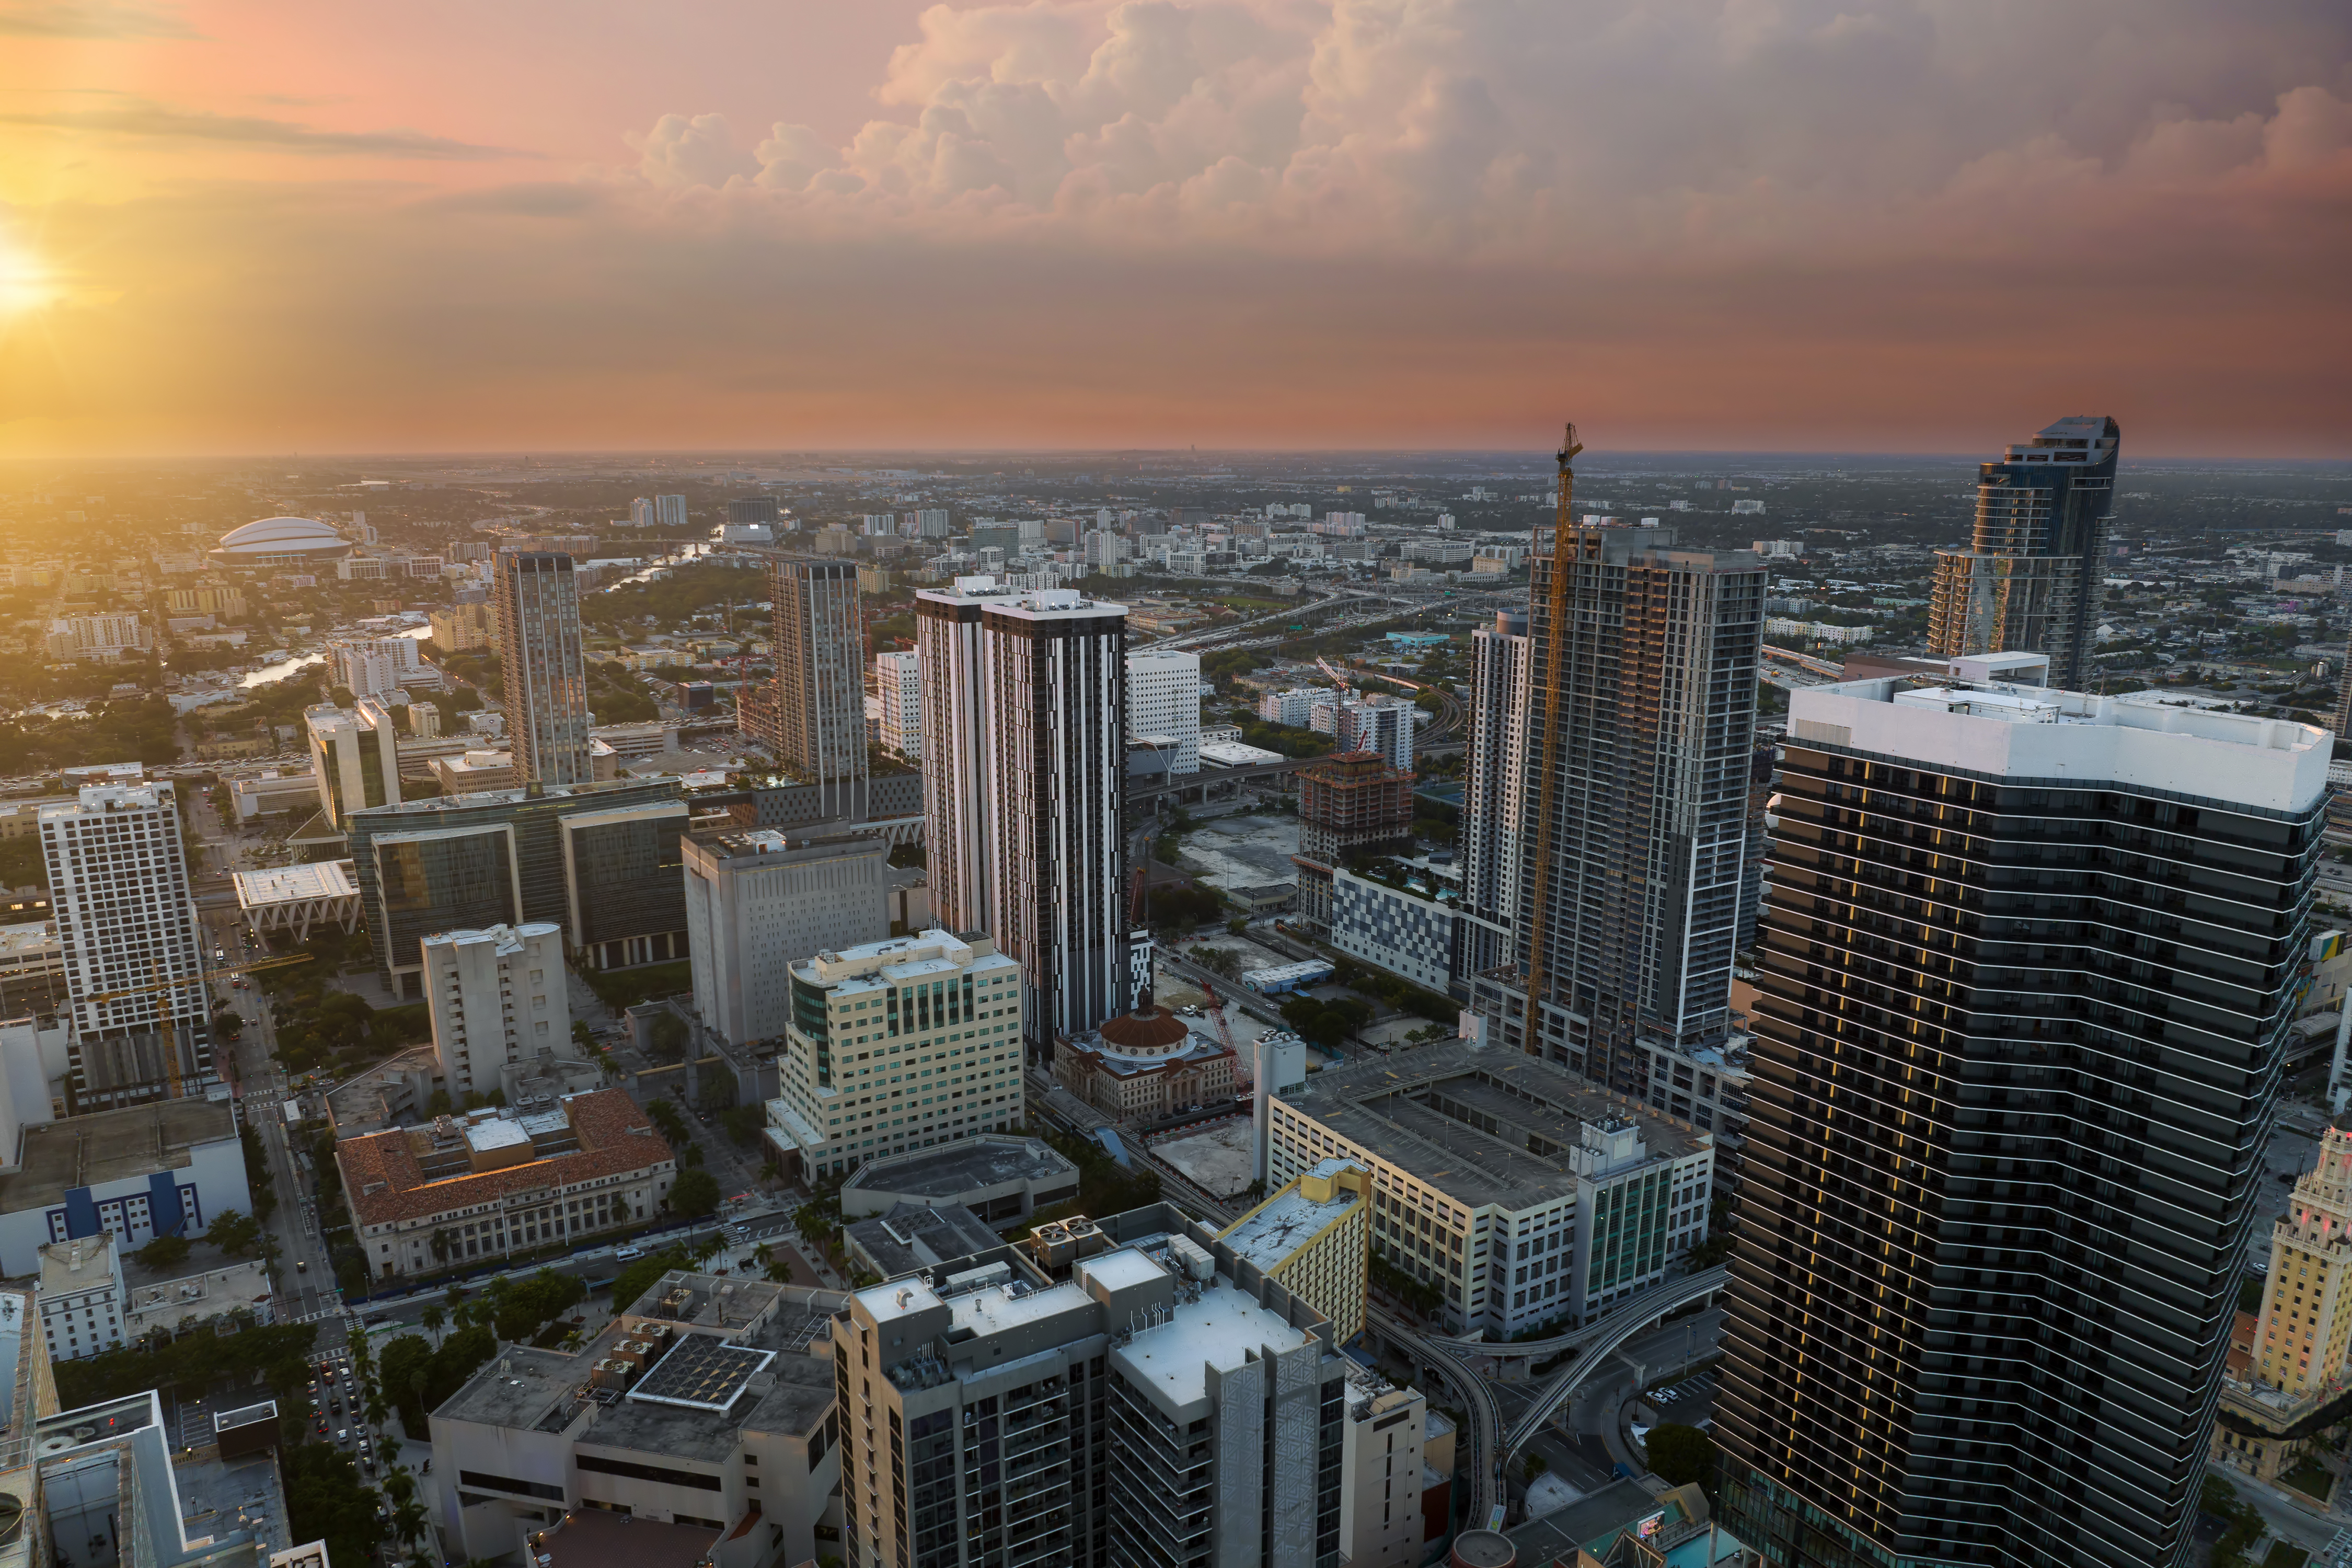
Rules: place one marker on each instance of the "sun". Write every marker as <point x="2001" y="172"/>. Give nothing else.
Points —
<point x="24" y="284"/>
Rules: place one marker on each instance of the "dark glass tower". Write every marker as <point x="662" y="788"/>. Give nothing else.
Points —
<point x="2026" y="969"/>
<point x="2031" y="578"/>
<point x="536" y="598"/>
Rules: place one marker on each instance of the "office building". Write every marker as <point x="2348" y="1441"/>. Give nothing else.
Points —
<point x="1348" y="806"/>
<point x="602" y="860"/>
<point x="1144" y="1064"/>
<point x="899" y="685"/>
<point x="1554" y="1200"/>
<point x="496" y="998"/>
<point x="1493" y="781"/>
<point x="2294" y="1346"/>
<point x="1163" y="702"/>
<point x="1025" y="706"/>
<point x="754" y="512"/>
<point x="381" y="666"/>
<point x="536" y="602"/>
<point x="2033" y="576"/>
<point x="2024" y="970"/>
<point x="354" y="757"/>
<point x="462" y="627"/>
<point x="1133" y="1402"/>
<point x="97" y="1295"/>
<point x="1314" y="1238"/>
<point x="758" y="900"/>
<point x="492" y="1183"/>
<point x="696" y="1427"/>
<point x="1640" y="707"/>
<point x="897" y="1045"/>
<point x="818" y="643"/>
<point x="169" y="1168"/>
<point x="126" y="918"/>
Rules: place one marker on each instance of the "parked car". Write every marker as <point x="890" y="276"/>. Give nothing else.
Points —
<point x="627" y="1254"/>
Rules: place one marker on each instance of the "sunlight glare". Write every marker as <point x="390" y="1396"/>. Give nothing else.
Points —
<point x="25" y="283"/>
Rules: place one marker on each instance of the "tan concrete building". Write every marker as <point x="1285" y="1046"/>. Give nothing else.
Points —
<point x="1315" y="1238"/>
<point x="1143" y="1064"/>
<point x="2288" y="1363"/>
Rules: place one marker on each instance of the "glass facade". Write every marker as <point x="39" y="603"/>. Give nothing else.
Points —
<point x="2016" y="1048"/>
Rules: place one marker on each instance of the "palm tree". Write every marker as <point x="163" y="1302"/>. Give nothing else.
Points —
<point x="408" y="1521"/>
<point x="431" y="1319"/>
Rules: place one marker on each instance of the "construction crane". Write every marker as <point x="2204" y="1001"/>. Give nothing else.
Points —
<point x="1243" y="1076"/>
<point x="172" y="1074"/>
<point x="1547" y="759"/>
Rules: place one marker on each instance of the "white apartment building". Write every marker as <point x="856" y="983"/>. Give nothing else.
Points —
<point x="1380" y="724"/>
<point x="1510" y="1238"/>
<point x="126" y="917"/>
<point x="354" y="757"/>
<point x="99" y="637"/>
<point x="1101" y="549"/>
<point x="669" y="511"/>
<point x="897" y="1045"/>
<point x="1295" y="708"/>
<point x="641" y="512"/>
<point x="758" y="902"/>
<point x="381" y="666"/>
<point x="1163" y="701"/>
<point x="95" y="1296"/>
<point x="1494" y="776"/>
<point x="898" y="684"/>
<point x="497" y="999"/>
<point x="1025" y="712"/>
<point x="80" y="1297"/>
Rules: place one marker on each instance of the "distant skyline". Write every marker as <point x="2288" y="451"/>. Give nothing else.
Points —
<point x="1840" y="226"/>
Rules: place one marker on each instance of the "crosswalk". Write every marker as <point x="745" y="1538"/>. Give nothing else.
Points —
<point x="2336" y="1554"/>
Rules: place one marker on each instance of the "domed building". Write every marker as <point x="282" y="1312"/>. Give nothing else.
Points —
<point x="280" y="542"/>
<point x="1143" y="1064"/>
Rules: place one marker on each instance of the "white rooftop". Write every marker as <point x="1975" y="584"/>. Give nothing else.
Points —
<point x="496" y="1132"/>
<point x="295" y="884"/>
<point x="1225" y="1328"/>
<point x="1289" y="1220"/>
<point x="1121" y="1269"/>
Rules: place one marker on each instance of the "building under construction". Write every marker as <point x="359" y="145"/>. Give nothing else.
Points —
<point x="1352" y="804"/>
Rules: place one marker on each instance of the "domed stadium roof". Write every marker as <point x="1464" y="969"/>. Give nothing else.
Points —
<point x="282" y="536"/>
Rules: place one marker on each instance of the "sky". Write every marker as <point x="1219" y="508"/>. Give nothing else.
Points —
<point x="1929" y="225"/>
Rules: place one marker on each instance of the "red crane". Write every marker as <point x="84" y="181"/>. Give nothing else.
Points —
<point x="1242" y="1075"/>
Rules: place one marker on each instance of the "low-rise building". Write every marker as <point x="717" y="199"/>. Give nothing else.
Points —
<point x="173" y="1161"/>
<point x="1522" y="1194"/>
<point x="909" y="1240"/>
<point x="1144" y="1063"/>
<point x="95" y="1297"/>
<point x="698" y="1427"/>
<point x="492" y="1184"/>
<point x="273" y="792"/>
<point x="32" y="969"/>
<point x="998" y="1177"/>
<point x="897" y="1045"/>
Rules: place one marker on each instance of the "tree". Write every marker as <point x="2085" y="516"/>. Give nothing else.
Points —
<point x="640" y="1277"/>
<point x="1681" y="1454"/>
<point x="432" y="1318"/>
<point x="324" y="1500"/>
<point x="163" y="1251"/>
<point x="694" y="1194"/>
<point x="227" y="1024"/>
<point x="234" y="1233"/>
<point x="524" y="1305"/>
<point x="690" y="1157"/>
<point x="669" y="1036"/>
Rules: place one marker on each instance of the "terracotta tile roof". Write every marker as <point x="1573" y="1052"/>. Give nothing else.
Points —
<point x="385" y="1184"/>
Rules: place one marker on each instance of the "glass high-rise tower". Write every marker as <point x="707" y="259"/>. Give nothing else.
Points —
<point x="536" y="600"/>
<point x="2026" y="973"/>
<point x="2029" y="580"/>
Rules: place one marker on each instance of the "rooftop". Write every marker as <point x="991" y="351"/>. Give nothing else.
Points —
<point x="912" y="1236"/>
<point x="595" y="1538"/>
<point x="701" y="1372"/>
<point x="419" y="812"/>
<point x="894" y="960"/>
<point x="944" y="1174"/>
<point x="1224" y="1326"/>
<point x="1485" y="1127"/>
<point x="385" y="1182"/>
<point x="110" y="1146"/>
<point x="295" y="884"/>
<point x="1290" y="1220"/>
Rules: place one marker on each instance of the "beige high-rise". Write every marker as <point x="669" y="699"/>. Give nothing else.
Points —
<point x="2305" y="1325"/>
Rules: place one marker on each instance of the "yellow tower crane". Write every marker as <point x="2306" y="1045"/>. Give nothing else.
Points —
<point x="1547" y="761"/>
<point x="172" y="1074"/>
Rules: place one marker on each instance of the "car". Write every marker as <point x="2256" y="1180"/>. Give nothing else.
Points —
<point x="300" y="1267"/>
<point x="627" y="1254"/>
<point x="343" y="1434"/>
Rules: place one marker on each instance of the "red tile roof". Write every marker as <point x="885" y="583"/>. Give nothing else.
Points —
<point x="385" y="1184"/>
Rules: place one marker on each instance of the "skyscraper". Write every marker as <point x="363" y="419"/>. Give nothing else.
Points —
<point x="354" y="757"/>
<point x="1641" y="708"/>
<point x="536" y="599"/>
<point x="1024" y="716"/>
<point x="2029" y="580"/>
<point x="819" y="648"/>
<point x="1493" y="781"/>
<point x="126" y="918"/>
<point x="2026" y="967"/>
<point x="669" y="511"/>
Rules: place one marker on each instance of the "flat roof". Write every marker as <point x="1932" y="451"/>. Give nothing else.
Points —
<point x="1378" y="1103"/>
<point x="1225" y="1328"/>
<point x="1290" y="1220"/>
<point x="963" y="1165"/>
<point x="703" y="1372"/>
<point x="913" y="1236"/>
<point x="111" y="1146"/>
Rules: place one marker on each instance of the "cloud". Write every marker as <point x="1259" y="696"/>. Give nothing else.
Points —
<point x="679" y="151"/>
<point x="91" y="19"/>
<point x="157" y="122"/>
